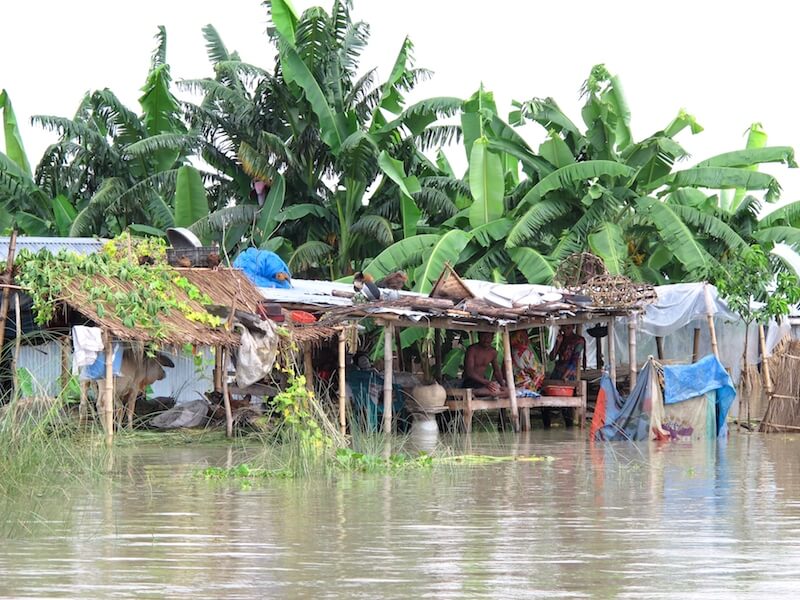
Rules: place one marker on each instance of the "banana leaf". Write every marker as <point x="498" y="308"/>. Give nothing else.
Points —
<point x="486" y="183"/>
<point x="191" y="203"/>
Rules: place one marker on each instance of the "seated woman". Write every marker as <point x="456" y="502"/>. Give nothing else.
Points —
<point x="476" y="361"/>
<point x="528" y="372"/>
<point x="567" y="353"/>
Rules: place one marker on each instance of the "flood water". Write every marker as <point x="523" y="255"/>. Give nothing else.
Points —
<point x="612" y="520"/>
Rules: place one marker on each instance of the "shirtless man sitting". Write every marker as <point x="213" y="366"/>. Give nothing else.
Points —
<point x="478" y="358"/>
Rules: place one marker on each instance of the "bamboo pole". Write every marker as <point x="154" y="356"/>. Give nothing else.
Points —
<point x="342" y="383"/>
<point x="17" y="344"/>
<point x="612" y="354"/>
<point x="512" y="392"/>
<point x="696" y="345"/>
<point x="218" y="369"/>
<point x="308" y="367"/>
<point x="744" y="383"/>
<point x="660" y="347"/>
<point x="226" y="396"/>
<point x="633" y="365"/>
<point x="388" y="335"/>
<point x="108" y="385"/>
<point x="764" y="362"/>
<point x="710" y="318"/>
<point x="65" y="374"/>
<point x="437" y="353"/>
<point x="582" y="362"/>
<point x="12" y="247"/>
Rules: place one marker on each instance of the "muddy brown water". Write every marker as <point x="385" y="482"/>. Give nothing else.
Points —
<point x="613" y="520"/>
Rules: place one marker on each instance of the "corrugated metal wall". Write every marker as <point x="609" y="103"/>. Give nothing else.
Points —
<point x="185" y="382"/>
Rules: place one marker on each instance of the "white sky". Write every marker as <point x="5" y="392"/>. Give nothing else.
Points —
<point x="727" y="63"/>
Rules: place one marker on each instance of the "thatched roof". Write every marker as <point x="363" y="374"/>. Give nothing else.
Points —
<point x="226" y="287"/>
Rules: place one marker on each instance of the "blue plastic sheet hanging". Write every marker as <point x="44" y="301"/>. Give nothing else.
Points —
<point x="97" y="370"/>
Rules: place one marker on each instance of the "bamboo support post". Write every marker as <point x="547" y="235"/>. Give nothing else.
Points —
<point x="512" y="392"/>
<point x="710" y="318"/>
<point x="437" y="353"/>
<point x="17" y="344"/>
<point x="108" y="386"/>
<point x="388" y="335"/>
<point x="582" y="362"/>
<point x="696" y="345"/>
<point x="342" y="383"/>
<point x="744" y="379"/>
<point x="632" y="362"/>
<point x="65" y="371"/>
<point x="218" y="369"/>
<point x="12" y="246"/>
<point x="762" y="343"/>
<point x="660" y="347"/>
<point x="308" y="367"/>
<point x="226" y="396"/>
<point x="612" y="354"/>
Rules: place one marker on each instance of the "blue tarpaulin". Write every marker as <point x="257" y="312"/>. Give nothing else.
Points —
<point x="696" y="400"/>
<point x="682" y="382"/>
<point x="264" y="268"/>
<point x="97" y="370"/>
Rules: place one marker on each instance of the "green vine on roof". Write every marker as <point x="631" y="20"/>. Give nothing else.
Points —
<point x="157" y="290"/>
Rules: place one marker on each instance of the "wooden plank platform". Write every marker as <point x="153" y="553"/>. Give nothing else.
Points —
<point x="462" y="399"/>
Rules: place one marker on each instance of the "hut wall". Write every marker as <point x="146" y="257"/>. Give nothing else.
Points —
<point x="185" y="382"/>
<point x="44" y="363"/>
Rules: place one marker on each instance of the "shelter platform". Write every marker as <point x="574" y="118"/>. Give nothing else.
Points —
<point x="463" y="400"/>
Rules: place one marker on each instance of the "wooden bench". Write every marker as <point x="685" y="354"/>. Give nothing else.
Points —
<point x="463" y="400"/>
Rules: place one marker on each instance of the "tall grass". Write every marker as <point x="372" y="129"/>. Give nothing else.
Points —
<point x="43" y="455"/>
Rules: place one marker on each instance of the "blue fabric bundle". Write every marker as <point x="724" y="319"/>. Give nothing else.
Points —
<point x="264" y="268"/>
<point x="97" y="370"/>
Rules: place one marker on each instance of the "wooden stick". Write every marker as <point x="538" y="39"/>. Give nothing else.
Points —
<point x="660" y="347"/>
<point x="710" y="318"/>
<point x="612" y="354"/>
<point x="226" y="396"/>
<point x="632" y="362"/>
<point x="342" y="383"/>
<point x="12" y="247"/>
<point x="512" y="392"/>
<point x="108" y="384"/>
<point x="764" y="362"/>
<point x="388" y="335"/>
<point x="696" y="345"/>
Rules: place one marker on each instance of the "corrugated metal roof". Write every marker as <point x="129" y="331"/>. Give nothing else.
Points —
<point x="315" y="292"/>
<point x="53" y="244"/>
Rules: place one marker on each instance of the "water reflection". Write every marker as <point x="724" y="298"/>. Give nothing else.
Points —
<point x="608" y="520"/>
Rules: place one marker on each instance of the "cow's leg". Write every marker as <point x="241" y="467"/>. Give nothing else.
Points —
<point x="130" y="405"/>
<point x="83" y="409"/>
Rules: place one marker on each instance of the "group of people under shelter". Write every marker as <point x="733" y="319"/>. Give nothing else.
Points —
<point x="529" y="372"/>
